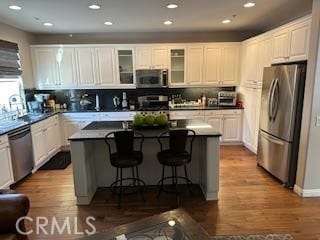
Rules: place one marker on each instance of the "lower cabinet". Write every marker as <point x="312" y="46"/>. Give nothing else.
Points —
<point x="6" y="175"/>
<point x="226" y="122"/>
<point x="45" y="139"/>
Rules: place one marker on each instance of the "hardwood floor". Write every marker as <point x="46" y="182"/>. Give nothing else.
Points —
<point x="250" y="202"/>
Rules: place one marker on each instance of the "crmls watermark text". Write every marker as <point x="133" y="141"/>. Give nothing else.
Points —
<point x="51" y="226"/>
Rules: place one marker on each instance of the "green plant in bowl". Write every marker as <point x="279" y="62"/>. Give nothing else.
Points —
<point x="149" y="119"/>
<point x="138" y="120"/>
<point x="161" y="120"/>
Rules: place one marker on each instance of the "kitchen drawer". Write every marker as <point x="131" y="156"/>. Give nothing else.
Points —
<point x="187" y="113"/>
<point x="223" y="112"/>
<point x="116" y="116"/>
<point x="3" y="139"/>
<point x="81" y="116"/>
<point x="37" y="126"/>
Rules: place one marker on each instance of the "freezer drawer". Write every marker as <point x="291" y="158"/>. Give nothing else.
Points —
<point x="274" y="156"/>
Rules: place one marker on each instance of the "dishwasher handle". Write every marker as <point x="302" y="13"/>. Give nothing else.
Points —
<point x="19" y="134"/>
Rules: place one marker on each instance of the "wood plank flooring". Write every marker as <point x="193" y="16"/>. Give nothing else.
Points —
<point x="250" y="202"/>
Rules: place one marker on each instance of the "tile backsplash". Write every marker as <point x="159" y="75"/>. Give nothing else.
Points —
<point x="72" y="96"/>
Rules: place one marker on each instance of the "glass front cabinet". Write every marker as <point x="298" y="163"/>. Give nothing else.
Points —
<point x="125" y="60"/>
<point x="177" y="71"/>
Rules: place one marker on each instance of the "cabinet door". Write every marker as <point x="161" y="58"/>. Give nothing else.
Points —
<point x="65" y="58"/>
<point x="229" y="68"/>
<point x="143" y="57"/>
<point x="105" y="67"/>
<point x="159" y="57"/>
<point x="6" y="177"/>
<point x="251" y="72"/>
<point x="86" y="66"/>
<point x="39" y="146"/>
<point x="177" y="67"/>
<point x="45" y="67"/>
<point x="212" y="65"/>
<point x="231" y="129"/>
<point x="216" y="122"/>
<point x="281" y="43"/>
<point x="70" y="128"/>
<point x="195" y="65"/>
<point x="264" y="57"/>
<point x="299" y="43"/>
<point x="126" y="67"/>
<point x="51" y="139"/>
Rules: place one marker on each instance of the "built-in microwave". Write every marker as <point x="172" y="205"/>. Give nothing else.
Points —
<point x="152" y="78"/>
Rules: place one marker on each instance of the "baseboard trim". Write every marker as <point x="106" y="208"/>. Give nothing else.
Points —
<point x="306" y="192"/>
<point x="250" y="147"/>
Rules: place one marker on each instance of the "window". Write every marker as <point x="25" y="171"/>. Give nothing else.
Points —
<point x="12" y="98"/>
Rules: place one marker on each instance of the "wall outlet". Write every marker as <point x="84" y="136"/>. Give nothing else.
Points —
<point x="318" y="121"/>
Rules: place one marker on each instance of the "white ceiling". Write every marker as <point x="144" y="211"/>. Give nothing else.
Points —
<point x="74" y="16"/>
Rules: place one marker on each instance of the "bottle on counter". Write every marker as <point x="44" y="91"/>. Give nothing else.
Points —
<point x="124" y="100"/>
<point x="204" y="100"/>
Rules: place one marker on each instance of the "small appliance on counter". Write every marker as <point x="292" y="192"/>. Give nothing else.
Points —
<point x="153" y="102"/>
<point x="227" y="99"/>
<point x="124" y="100"/>
<point x="116" y="102"/>
<point x="212" y="102"/>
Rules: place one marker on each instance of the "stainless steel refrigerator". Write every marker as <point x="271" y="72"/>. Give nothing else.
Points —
<point x="280" y="120"/>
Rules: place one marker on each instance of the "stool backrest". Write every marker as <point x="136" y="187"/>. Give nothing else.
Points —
<point x="124" y="141"/>
<point x="178" y="140"/>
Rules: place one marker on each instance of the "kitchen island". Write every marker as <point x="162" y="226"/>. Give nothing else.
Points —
<point x="92" y="167"/>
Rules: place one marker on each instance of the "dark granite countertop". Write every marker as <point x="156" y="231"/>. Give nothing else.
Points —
<point x="33" y="118"/>
<point x="98" y="130"/>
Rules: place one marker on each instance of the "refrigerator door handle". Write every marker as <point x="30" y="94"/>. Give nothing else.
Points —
<point x="269" y="100"/>
<point x="271" y="139"/>
<point x="275" y="99"/>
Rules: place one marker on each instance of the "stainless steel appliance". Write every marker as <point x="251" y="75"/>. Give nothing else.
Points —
<point x="152" y="78"/>
<point x="280" y="120"/>
<point x="226" y="98"/>
<point x="21" y="152"/>
<point x="153" y="102"/>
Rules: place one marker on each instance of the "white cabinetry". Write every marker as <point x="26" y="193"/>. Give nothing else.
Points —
<point x="212" y="65"/>
<point x="86" y="66"/>
<point x="292" y="43"/>
<point x="177" y="66"/>
<point x="54" y="67"/>
<point x="227" y="122"/>
<point x="45" y="67"/>
<point x="6" y="175"/>
<point x="251" y="101"/>
<point x="45" y="139"/>
<point x="106" y="71"/>
<point x="151" y="57"/>
<point x="230" y="65"/>
<point x="195" y="65"/>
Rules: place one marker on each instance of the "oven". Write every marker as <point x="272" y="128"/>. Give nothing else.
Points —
<point x="152" y="78"/>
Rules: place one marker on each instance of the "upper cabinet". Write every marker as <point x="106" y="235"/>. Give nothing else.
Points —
<point x="106" y="71"/>
<point x="86" y="66"/>
<point x="212" y="65"/>
<point x="292" y="43"/>
<point x="195" y="65"/>
<point x="177" y="65"/>
<point x="151" y="57"/>
<point x="126" y="68"/>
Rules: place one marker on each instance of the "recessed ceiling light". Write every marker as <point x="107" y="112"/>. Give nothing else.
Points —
<point x="108" y="23"/>
<point x="172" y="6"/>
<point x="168" y="22"/>
<point x="94" y="6"/>
<point x="249" y="4"/>
<point x="15" y="7"/>
<point x="226" y="21"/>
<point x="47" y="24"/>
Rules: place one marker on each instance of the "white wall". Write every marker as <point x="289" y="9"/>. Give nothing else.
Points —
<point x="308" y="174"/>
<point x="23" y="39"/>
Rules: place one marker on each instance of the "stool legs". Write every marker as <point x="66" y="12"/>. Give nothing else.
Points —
<point x="187" y="179"/>
<point x="140" y="189"/>
<point x="120" y="193"/>
<point x="161" y="184"/>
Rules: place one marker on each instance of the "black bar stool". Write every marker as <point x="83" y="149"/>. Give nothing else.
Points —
<point x="126" y="157"/>
<point x="175" y="156"/>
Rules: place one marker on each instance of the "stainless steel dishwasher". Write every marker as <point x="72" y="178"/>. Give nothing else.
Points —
<point x="21" y="152"/>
